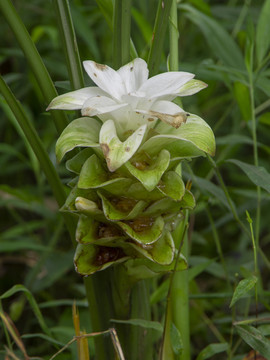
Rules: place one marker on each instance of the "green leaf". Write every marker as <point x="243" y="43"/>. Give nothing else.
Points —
<point x="189" y="140"/>
<point x="242" y="288"/>
<point x="198" y="269"/>
<point x="32" y="302"/>
<point x="90" y="258"/>
<point x="143" y="231"/>
<point x="75" y="164"/>
<point x="124" y="209"/>
<point x="172" y="185"/>
<point x="95" y="175"/>
<point x="257" y="174"/>
<point x="212" y="189"/>
<point x="116" y="152"/>
<point x="265" y="118"/>
<point x="150" y="175"/>
<point x="242" y="97"/>
<point x="220" y="42"/>
<point x="142" y="268"/>
<point x="176" y="340"/>
<point x="255" y="339"/>
<point x="154" y="325"/>
<point x="211" y="350"/>
<point x="90" y="231"/>
<point x="80" y="132"/>
<point x="263" y="28"/>
<point x="161" y="252"/>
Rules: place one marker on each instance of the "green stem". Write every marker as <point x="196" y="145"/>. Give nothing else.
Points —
<point x="177" y="310"/>
<point x="34" y="59"/>
<point x="179" y="289"/>
<point x="39" y="150"/>
<point x="174" y="35"/>
<point x="218" y="246"/>
<point x="160" y="27"/>
<point x="70" y="44"/>
<point x="180" y="296"/>
<point x="226" y="193"/>
<point x="121" y="32"/>
<point x="98" y="293"/>
<point x="255" y="144"/>
<point x="35" y="142"/>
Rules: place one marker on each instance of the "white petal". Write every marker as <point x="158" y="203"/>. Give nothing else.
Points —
<point x="168" y="112"/>
<point x="191" y="87"/>
<point x="74" y="100"/>
<point x="100" y="105"/>
<point x="134" y="74"/>
<point x="166" y="107"/>
<point x="106" y="78"/>
<point x="165" y="84"/>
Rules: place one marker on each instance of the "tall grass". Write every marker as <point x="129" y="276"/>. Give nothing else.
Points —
<point x="226" y="44"/>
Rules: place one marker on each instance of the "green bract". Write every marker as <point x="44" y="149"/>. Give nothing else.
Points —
<point x="128" y="191"/>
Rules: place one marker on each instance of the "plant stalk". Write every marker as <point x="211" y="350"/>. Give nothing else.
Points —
<point x="160" y="27"/>
<point x="34" y="60"/>
<point x="69" y="43"/>
<point x="180" y="294"/>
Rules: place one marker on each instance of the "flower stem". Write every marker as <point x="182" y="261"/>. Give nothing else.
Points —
<point x="98" y="293"/>
<point x="177" y="311"/>
<point x="34" y="59"/>
<point x="70" y="44"/>
<point x="180" y="294"/>
<point x="174" y="35"/>
<point x="160" y="27"/>
<point x="121" y="32"/>
<point x="254" y="138"/>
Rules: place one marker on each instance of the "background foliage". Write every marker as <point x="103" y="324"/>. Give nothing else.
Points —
<point x="226" y="44"/>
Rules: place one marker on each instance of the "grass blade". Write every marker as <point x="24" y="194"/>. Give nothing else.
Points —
<point x="242" y="288"/>
<point x="263" y="28"/>
<point x="257" y="174"/>
<point x="34" y="59"/>
<point x="160" y="27"/>
<point x="32" y="302"/>
<point x="70" y="43"/>
<point x="254" y="338"/>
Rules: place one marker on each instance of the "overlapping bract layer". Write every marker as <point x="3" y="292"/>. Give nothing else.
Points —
<point x="128" y="191"/>
<point x="129" y="213"/>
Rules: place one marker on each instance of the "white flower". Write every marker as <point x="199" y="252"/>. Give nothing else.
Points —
<point x="129" y="98"/>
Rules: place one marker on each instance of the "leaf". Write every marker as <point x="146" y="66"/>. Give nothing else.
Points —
<point x="242" y="288"/>
<point x="32" y="302"/>
<point x="212" y="189"/>
<point x="116" y="152"/>
<point x="198" y="269"/>
<point x="130" y="209"/>
<point x="242" y="97"/>
<point x="150" y="175"/>
<point x="254" y="338"/>
<point x="263" y="28"/>
<point x="189" y="140"/>
<point x="154" y="325"/>
<point x="211" y="350"/>
<point x="80" y="132"/>
<point x="176" y="340"/>
<point x="265" y="118"/>
<point x="172" y="185"/>
<point x="221" y="43"/>
<point x="234" y="139"/>
<point x="257" y="174"/>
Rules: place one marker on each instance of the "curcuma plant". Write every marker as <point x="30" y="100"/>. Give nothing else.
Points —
<point x="128" y="190"/>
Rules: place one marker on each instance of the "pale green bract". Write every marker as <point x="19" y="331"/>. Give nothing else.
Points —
<point x="128" y="191"/>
